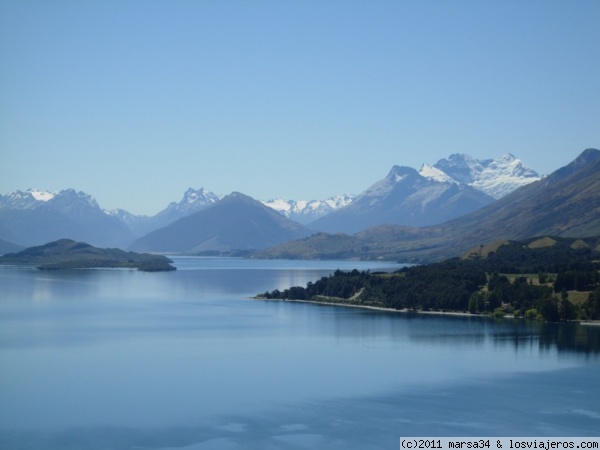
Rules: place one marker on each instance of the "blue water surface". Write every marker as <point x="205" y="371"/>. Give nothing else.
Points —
<point x="120" y="359"/>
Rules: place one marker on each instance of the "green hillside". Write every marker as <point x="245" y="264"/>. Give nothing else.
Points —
<point x="546" y="279"/>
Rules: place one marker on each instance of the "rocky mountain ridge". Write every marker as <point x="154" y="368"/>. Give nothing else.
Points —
<point x="566" y="204"/>
<point x="405" y="197"/>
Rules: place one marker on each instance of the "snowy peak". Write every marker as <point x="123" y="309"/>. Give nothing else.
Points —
<point x="306" y="211"/>
<point x="397" y="175"/>
<point x="452" y="187"/>
<point x="192" y="196"/>
<point x="192" y="201"/>
<point x="30" y="198"/>
<point x="511" y="166"/>
<point x="35" y="216"/>
<point x="42" y="196"/>
<point x="496" y="177"/>
<point x="400" y="173"/>
<point x="435" y="174"/>
<point x="462" y="168"/>
<point x="405" y="197"/>
<point x="33" y="198"/>
<point x="122" y="214"/>
<point x="18" y="200"/>
<point x="339" y="201"/>
<point x="71" y="196"/>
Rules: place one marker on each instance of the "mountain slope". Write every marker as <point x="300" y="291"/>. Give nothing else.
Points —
<point x="566" y="203"/>
<point x="237" y="222"/>
<point x="35" y="217"/>
<point x="405" y="197"/>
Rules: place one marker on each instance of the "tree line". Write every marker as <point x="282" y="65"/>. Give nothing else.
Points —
<point x="517" y="279"/>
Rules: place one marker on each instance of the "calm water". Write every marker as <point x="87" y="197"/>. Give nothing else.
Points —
<point x="119" y="359"/>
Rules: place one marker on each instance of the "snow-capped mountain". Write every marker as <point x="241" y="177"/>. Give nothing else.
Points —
<point x="237" y="222"/>
<point x="193" y="200"/>
<point x="405" y="197"/>
<point x="565" y="203"/>
<point x="436" y="174"/>
<point x="452" y="187"/>
<point x="434" y="194"/>
<point x="304" y="212"/>
<point x="25" y="199"/>
<point x="34" y="198"/>
<point x="496" y="177"/>
<point x="35" y="217"/>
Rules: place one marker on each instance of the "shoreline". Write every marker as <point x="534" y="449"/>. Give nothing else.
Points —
<point x="372" y="308"/>
<point x="407" y="311"/>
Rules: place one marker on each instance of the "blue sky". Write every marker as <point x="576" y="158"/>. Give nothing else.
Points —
<point x="135" y="101"/>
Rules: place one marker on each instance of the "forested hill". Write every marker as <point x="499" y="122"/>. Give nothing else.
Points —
<point x="543" y="278"/>
<point x="69" y="254"/>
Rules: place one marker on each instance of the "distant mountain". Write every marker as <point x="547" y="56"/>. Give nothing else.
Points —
<point x="448" y="189"/>
<point x="68" y="254"/>
<point x="34" y="217"/>
<point x="405" y="197"/>
<point x="305" y="212"/>
<point x="192" y="201"/>
<point x="565" y="203"/>
<point x="237" y="222"/>
<point x="496" y="177"/>
<point x="9" y="247"/>
<point x="300" y="211"/>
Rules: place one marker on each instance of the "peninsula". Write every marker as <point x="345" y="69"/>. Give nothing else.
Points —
<point x="543" y="278"/>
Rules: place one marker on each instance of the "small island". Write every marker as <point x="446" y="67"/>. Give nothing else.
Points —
<point x="68" y="254"/>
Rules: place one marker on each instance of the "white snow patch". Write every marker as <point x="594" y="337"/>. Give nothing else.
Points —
<point x="435" y="174"/>
<point x="41" y="196"/>
<point x="504" y="175"/>
<point x="278" y="204"/>
<point x="305" y="211"/>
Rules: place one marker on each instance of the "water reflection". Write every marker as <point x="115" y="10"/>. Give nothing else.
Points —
<point x="30" y="284"/>
<point x="450" y="331"/>
<point x="570" y="338"/>
<point x="119" y="359"/>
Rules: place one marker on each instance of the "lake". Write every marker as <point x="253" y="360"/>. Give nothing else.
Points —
<point x="120" y="359"/>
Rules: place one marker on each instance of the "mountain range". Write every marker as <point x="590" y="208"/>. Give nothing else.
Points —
<point x="237" y="222"/>
<point x="37" y="217"/>
<point x="404" y="197"/>
<point x="565" y="203"/>
<point x="306" y="212"/>
<point x="192" y="202"/>
<point x="449" y="189"/>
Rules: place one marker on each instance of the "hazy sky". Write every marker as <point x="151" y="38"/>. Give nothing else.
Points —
<point x="135" y="101"/>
